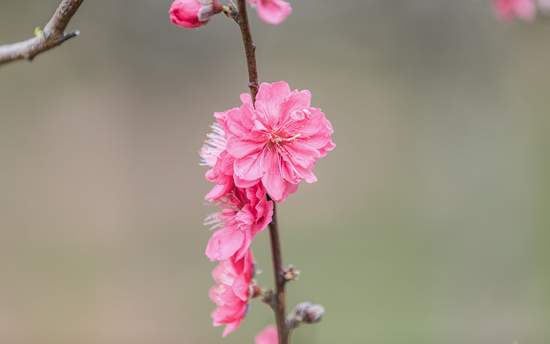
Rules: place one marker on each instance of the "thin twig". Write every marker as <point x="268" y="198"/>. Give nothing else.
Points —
<point x="249" y="49"/>
<point x="52" y="35"/>
<point x="278" y="298"/>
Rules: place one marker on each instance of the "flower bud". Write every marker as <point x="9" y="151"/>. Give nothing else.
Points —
<point x="305" y="313"/>
<point x="314" y="314"/>
<point x="290" y="274"/>
<point x="193" y="13"/>
<point x="300" y="311"/>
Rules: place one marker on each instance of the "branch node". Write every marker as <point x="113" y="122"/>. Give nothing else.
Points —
<point x="68" y="36"/>
<point x="290" y="274"/>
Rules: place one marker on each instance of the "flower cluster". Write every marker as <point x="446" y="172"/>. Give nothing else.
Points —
<point x="523" y="9"/>
<point x="197" y="13"/>
<point x="257" y="155"/>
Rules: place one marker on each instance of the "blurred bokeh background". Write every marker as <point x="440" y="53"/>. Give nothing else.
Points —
<point x="430" y="222"/>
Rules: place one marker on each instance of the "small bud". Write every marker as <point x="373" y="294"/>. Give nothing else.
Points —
<point x="255" y="291"/>
<point x="231" y="11"/>
<point x="193" y="13"/>
<point x="290" y="274"/>
<point x="300" y="311"/>
<point x="267" y="297"/>
<point x="314" y="314"/>
<point x="37" y="31"/>
<point x="305" y="313"/>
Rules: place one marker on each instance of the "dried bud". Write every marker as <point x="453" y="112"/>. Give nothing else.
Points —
<point x="300" y="311"/>
<point x="267" y="297"/>
<point x="290" y="274"/>
<point x="231" y="11"/>
<point x="314" y="314"/>
<point x="193" y="13"/>
<point x="255" y="291"/>
<point x="305" y="313"/>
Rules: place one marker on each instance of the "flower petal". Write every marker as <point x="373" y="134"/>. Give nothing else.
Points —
<point x="243" y="148"/>
<point x="250" y="167"/>
<point x="302" y="154"/>
<point x="269" y="100"/>
<point x="273" y="11"/>
<point x="273" y="179"/>
<point x="224" y="243"/>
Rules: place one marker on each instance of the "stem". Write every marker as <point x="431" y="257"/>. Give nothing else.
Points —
<point x="279" y="299"/>
<point x="249" y="49"/>
<point x="278" y="302"/>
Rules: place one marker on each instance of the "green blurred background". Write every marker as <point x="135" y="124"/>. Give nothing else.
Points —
<point x="430" y="222"/>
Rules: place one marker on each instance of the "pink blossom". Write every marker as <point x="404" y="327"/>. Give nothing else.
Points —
<point x="193" y="13"/>
<point x="272" y="11"/>
<point x="231" y="294"/>
<point x="245" y="212"/>
<point x="269" y="335"/>
<point x="508" y="9"/>
<point x="277" y="143"/>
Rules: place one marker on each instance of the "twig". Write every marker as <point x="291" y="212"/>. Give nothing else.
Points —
<point x="278" y="298"/>
<point x="249" y="49"/>
<point x="52" y="35"/>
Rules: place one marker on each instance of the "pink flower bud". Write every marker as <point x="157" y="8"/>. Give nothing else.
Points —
<point x="193" y="13"/>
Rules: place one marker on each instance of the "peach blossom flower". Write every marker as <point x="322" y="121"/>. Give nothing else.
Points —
<point x="277" y="143"/>
<point x="231" y="294"/>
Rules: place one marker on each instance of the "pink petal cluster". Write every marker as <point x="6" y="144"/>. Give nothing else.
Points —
<point x="193" y="13"/>
<point x="268" y="335"/>
<point x="275" y="144"/>
<point x="272" y="11"/>
<point x="254" y="152"/>
<point x="235" y="281"/>
<point x="509" y="9"/>
<point x="245" y="212"/>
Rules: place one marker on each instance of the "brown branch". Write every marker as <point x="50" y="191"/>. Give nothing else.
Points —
<point x="52" y="35"/>
<point x="249" y="49"/>
<point x="279" y="298"/>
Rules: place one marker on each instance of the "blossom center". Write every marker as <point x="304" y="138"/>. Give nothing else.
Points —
<point x="276" y="140"/>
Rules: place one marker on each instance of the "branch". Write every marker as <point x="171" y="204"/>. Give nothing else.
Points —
<point x="279" y="299"/>
<point x="52" y="35"/>
<point x="249" y="49"/>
